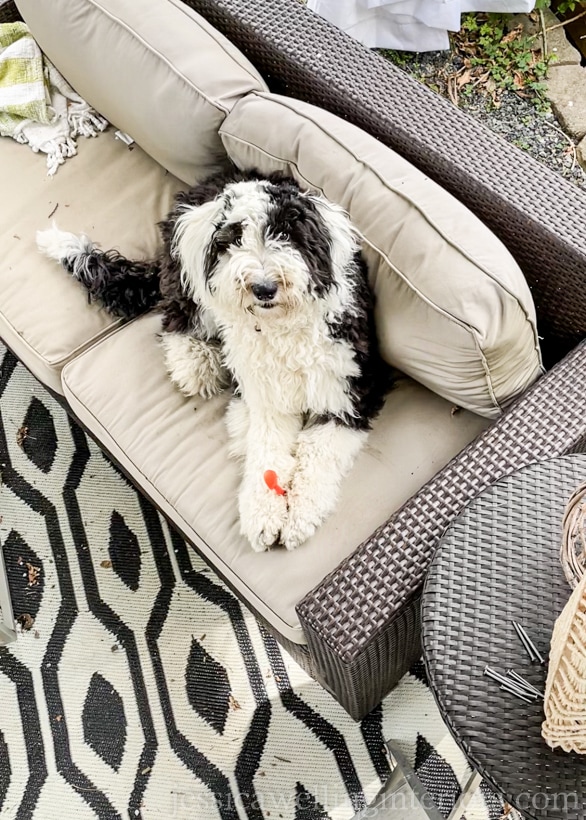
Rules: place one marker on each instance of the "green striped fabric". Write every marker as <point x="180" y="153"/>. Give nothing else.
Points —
<point x="37" y="106"/>
<point x="23" y="91"/>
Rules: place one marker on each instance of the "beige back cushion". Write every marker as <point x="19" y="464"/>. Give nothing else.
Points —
<point x="154" y="68"/>
<point x="453" y="308"/>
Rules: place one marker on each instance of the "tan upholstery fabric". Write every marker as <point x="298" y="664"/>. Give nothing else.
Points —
<point x="454" y="310"/>
<point x="175" y="449"/>
<point x="154" y="68"/>
<point x="112" y="193"/>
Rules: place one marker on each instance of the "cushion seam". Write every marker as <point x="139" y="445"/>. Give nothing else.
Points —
<point x="221" y="42"/>
<point x="97" y="337"/>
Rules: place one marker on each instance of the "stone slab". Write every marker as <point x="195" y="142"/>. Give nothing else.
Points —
<point x="566" y="90"/>
<point x="581" y="152"/>
<point x="558" y="44"/>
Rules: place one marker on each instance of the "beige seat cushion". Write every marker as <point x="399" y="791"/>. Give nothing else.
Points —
<point x="453" y="308"/>
<point x="176" y="450"/>
<point x="154" y="68"/>
<point x="114" y="194"/>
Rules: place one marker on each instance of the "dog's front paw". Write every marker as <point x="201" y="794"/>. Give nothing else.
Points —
<point x="310" y="502"/>
<point x="303" y="519"/>
<point x="263" y="515"/>
<point x="195" y="366"/>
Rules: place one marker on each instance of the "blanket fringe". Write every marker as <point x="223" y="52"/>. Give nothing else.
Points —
<point x="85" y="123"/>
<point x="58" y="152"/>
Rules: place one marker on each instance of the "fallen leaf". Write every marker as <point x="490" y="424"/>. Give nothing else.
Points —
<point x="106" y="564"/>
<point x="58" y="718"/>
<point x="234" y="705"/>
<point x="512" y="35"/>
<point x="33" y="574"/>
<point x="455" y="409"/>
<point x="26" y="621"/>
<point x="21" y="435"/>
<point x="464" y="78"/>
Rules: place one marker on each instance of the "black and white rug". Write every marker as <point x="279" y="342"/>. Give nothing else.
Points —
<point x="139" y="687"/>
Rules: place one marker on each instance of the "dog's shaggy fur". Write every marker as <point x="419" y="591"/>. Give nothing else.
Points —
<point x="262" y="285"/>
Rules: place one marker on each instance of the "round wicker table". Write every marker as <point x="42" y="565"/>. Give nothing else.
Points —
<point x="499" y="562"/>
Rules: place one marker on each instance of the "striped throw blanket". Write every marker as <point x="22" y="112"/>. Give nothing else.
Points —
<point x="37" y="106"/>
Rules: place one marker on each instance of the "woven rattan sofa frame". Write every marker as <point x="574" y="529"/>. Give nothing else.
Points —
<point x="362" y="621"/>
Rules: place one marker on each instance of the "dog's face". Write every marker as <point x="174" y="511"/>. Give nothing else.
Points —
<point x="265" y="248"/>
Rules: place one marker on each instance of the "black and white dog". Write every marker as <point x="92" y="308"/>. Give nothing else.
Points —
<point x="262" y="285"/>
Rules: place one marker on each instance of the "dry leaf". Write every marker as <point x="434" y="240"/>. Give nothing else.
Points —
<point x="106" y="564"/>
<point x="21" y="435"/>
<point x="26" y="621"/>
<point x="33" y="574"/>
<point x="464" y="78"/>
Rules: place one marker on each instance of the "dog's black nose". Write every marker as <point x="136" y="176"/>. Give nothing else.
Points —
<point x="264" y="291"/>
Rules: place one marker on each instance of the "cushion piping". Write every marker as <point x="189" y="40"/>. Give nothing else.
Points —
<point x="235" y="55"/>
<point x="95" y="339"/>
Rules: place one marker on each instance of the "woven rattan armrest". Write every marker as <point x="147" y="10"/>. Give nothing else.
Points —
<point x="353" y="619"/>
<point x="8" y="11"/>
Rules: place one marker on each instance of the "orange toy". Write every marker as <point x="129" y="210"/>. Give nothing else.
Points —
<point x="272" y="483"/>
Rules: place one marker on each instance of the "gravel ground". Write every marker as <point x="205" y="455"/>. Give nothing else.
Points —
<point x="516" y="120"/>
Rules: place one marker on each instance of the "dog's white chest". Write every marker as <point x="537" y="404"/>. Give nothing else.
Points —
<point x="298" y="371"/>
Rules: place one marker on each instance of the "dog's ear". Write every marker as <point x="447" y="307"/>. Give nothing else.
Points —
<point x="182" y="313"/>
<point x="193" y="232"/>
<point x="187" y="233"/>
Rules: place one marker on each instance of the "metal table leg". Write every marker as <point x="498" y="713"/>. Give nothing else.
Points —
<point x="7" y="625"/>
<point x="404" y="797"/>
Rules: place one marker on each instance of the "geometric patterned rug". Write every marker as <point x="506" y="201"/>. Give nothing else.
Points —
<point x="139" y="687"/>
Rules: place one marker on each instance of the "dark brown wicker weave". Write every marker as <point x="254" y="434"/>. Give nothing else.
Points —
<point x="498" y="562"/>
<point x="362" y="622"/>
<point x="8" y="11"/>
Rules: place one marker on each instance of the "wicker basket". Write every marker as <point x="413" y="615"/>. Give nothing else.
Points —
<point x="565" y="693"/>
<point x="573" y="550"/>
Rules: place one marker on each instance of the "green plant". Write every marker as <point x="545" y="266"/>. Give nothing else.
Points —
<point x="561" y="6"/>
<point x="498" y="60"/>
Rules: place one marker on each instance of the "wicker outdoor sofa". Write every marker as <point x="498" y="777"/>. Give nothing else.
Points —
<point x="362" y="623"/>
